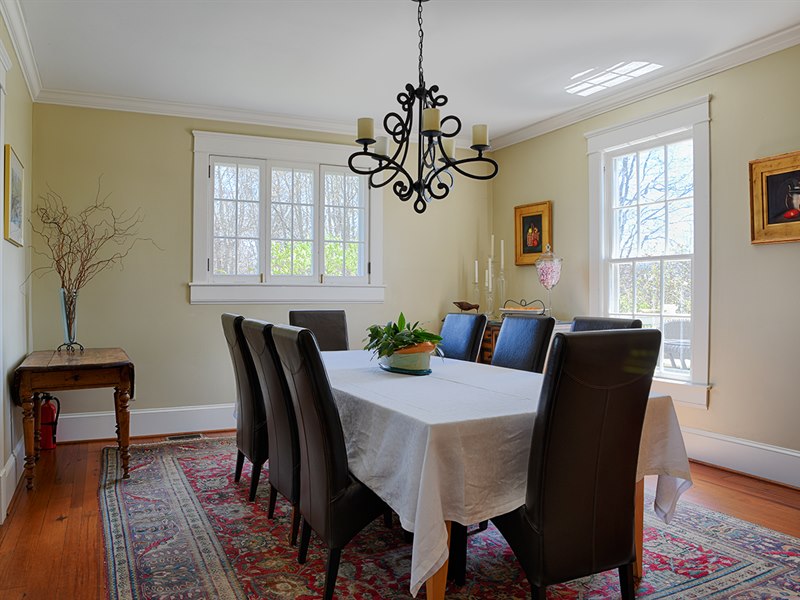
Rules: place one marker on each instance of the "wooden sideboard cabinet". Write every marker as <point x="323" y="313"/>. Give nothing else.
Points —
<point x="489" y="340"/>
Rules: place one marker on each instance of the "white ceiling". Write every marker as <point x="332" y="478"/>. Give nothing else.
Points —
<point x="322" y="63"/>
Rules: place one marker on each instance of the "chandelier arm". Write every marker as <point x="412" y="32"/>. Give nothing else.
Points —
<point x="475" y="159"/>
<point x="457" y="130"/>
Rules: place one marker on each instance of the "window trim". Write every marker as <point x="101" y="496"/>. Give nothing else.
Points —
<point x="203" y="290"/>
<point x="692" y="116"/>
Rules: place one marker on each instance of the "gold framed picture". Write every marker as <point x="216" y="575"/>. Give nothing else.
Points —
<point x="775" y="199"/>
<point x="533" y="231"/>
<point x="14" y="200"/>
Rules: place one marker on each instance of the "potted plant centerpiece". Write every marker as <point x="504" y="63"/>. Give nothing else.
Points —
<point x="402" y="347"/>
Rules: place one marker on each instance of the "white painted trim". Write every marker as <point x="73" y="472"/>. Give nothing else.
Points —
<point x="5" y="64"/>
<point x="10" y="475"/>
<point x="762" y="460"/>
<point x="683" y="392"/>
<point x="262" y="293"/>
<point x="658" y="85"/>
<point x="12" y="15"/>
<point x="75" y="427"/>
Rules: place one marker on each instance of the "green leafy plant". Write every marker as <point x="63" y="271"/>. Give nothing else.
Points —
<point x="388" y="339"/>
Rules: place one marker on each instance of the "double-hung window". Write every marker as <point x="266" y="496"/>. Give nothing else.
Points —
<point x="278" y="221"/>
<point x="650" y="237"/>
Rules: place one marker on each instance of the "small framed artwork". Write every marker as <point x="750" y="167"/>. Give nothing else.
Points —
<point x="775" y="199"/>
<point x="14" y="223"/>
<point x="533" y="231"/>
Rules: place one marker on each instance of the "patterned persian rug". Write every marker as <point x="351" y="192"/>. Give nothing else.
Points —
<point x="180" y="528"/>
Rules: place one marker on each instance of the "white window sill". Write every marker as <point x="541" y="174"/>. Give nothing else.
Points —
<point x="684" y="392"/>
<point x="263" y="293"/>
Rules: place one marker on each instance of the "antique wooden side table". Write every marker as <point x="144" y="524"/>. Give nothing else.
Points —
<point x="49" y="371"/>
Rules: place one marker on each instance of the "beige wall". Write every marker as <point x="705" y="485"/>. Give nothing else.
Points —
<point x="755" y="331"/>
<point x="17" y="127"/>
<point x="178" y="348"/>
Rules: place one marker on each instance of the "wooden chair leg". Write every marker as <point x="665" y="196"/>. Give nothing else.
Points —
<point x="334" y="555"/>
<point x="239" y="464"/>
<point x="273" y="496"/>
<point x="295" y="525"/>
<point x="626" y="584"/>
<point x="387" y="518"/>
<point x="254" y="477"/>
<point x="457" y="563"/>
<point x="305" y="538"/>
<point x="538" y="592"/>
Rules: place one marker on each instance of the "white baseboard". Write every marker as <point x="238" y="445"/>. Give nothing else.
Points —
<point x="75" y="427"/>
<point x="9" y="476"/>
<point x="762" y="460"/>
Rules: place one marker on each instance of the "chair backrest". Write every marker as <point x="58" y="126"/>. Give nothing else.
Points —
<point x="323" y="454"/>
<point x="522" y="342"/>
<point x="251" y="414"/>
<point x="604" y="323"/>
<point x="461" y="335"/>
<point x="585" y="448"/>
<point x="328" y="326"/>
<point x="284" y="459"/>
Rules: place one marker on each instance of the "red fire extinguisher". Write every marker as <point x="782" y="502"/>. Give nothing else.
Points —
<point x="49" y="421"/>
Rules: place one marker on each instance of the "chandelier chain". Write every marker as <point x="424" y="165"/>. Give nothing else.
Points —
<point x="421" y="37"/>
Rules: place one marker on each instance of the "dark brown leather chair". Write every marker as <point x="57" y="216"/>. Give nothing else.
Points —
<point x="284" y="459"/>
<point x="461" y="335"/>
<point x="333" y="502"/>
<point x="578" y="516"/>
<point x="251" y="416"/>
<point x="328" y="326"/>
<point x="522" y="343"/>
<point x="604" y="323"/>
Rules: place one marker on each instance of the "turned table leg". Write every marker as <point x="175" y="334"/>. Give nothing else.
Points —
<point x="121" y="399"/>
<point x="37" y="425"/>
<point x="26" y="397"/>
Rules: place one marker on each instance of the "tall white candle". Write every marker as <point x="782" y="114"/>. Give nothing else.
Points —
<point x="366" y="128"/>
<point x="490" y="273"/>
<point x="382" y="146"/>
<point x="476" y="270"/>
<point x="449" y="147"/>
<point x="502" y="254"/>
<point x="491" y="253"/>
<point x="480" y="135"/>
<point x="486" y="278"/>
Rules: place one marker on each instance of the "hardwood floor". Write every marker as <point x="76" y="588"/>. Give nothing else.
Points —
<point x="51" y="544"/>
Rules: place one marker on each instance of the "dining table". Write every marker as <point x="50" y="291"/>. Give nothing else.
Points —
<point x="453" y="446"/>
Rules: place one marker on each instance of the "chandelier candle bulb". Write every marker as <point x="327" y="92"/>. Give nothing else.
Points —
<point x="366" y="130"/>
<point x="480" y="135"/>
<point x="382" y="146"/>
<point x="449" y="147"/>
<point x="430" y="121"/>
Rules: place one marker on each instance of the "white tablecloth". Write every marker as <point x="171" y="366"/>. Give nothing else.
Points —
<point x="454" y="445"/>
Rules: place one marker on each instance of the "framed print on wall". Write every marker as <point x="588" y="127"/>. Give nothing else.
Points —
<point x="14" y="209"/>
<point x="533" y="231"/>
<point x="775" y="199"/>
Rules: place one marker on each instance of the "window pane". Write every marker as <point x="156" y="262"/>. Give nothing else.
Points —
<point x="303" y="187"/>
<point x="281" y="185"/>
<point x="622" y="288"/>
<point x="302" y="264"/>
<point x="678" y="287"/>
<point x="334" y="259"/>
<point x="225" y="181"/>
<point x="652" y="232"/>
<point x="354" y="225"/>
<point x="247" y="259"/>
<point x="353" y="196"/>
<point x="677" y="335"/>
<point x="224" y="256"/>
<point x="224" y="218"/>
<point x="248" y="220"/>
<point x="625" y="183"/>
<point x="625" y="245"/>
<point x="680" y="169"/>
<point x="651" y="174"/>
<point x="281" y="221"/>
<point x="334" y="223"/>
<point x="648" y="287"/>
<point x="248" y="183"/>
<point x="681" y="227"/>
<point x="334" y="189"/>
<point x="303" y="222"/>
<point x="281" y="258"/>
<point x="352" y="259"/>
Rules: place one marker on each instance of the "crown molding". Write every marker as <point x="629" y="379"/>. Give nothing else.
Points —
<point x="12" y="15"/>
<point x="716" y="64"/>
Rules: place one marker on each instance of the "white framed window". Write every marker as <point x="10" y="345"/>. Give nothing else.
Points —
<point x="278" y="221"/>
<point x="649" y="238"/>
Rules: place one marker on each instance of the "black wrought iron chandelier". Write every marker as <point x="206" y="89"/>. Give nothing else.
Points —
<point x="436" y="158"/>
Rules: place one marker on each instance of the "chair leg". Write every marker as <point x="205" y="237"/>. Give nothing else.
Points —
<point x="626" y="585"/>
<point x="273" y="496"/>
<point x="295" y="525"/>
<point x="239" y="464"/>
<point x="538" y="592"/>
<point x="254" y="476"/>
<point x="387" y="518"/>
<point x="334" y="554"/>
<point x="457" y="563"/>
<point x="482" y="526"/>
<point x="305" y="538"/>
